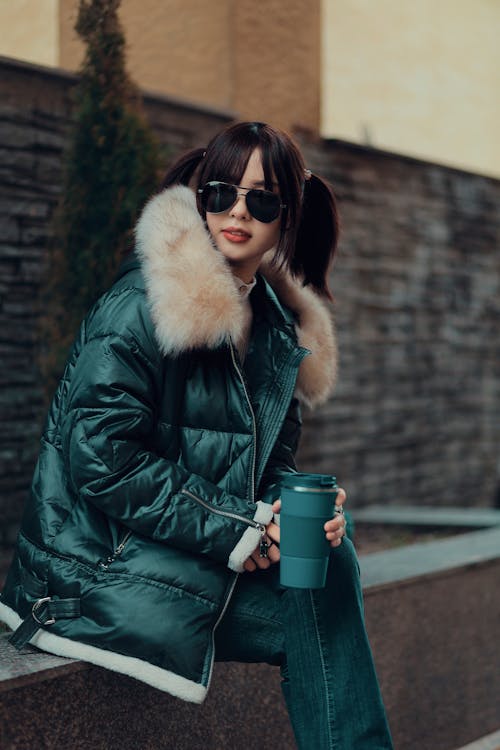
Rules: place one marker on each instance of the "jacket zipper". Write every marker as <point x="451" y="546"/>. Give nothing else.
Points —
<point x="252" y="522"/>
<point x="116" y="552"/>
<point x="227" y="513"/>
<point x="254" y="427"/>
<point x="223" y="611"/>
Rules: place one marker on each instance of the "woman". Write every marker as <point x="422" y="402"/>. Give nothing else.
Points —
<point x="176" y="417"/>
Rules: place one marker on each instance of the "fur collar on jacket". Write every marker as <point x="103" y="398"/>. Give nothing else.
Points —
<point x="194" y="300"/>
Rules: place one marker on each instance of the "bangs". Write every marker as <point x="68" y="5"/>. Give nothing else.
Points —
<point x="227" y="160"/>
<point x="229" y="153"/>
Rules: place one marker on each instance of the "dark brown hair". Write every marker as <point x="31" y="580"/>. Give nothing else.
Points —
<point x="309" y="224"/>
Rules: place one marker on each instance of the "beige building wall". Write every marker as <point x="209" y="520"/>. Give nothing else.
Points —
<point x="277" y="61"/>
<point x="177" y="47"/>
<point x="29" y="30"/>
<point x="260" y="59"/>
<point x="419" y="78"/>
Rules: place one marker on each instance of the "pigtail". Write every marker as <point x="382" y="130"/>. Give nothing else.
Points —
<point x="317" y="235"/>
<point x="181" y="172"/>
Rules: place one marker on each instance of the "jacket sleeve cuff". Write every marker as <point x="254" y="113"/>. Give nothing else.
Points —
<point x="250" y="539"/>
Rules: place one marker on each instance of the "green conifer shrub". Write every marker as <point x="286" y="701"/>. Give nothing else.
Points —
<point x="111" y="168"/>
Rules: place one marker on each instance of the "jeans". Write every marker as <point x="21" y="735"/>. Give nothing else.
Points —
<point x="318" y="638"/>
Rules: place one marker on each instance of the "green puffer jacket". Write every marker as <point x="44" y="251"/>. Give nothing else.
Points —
<point x="157" y="453"/>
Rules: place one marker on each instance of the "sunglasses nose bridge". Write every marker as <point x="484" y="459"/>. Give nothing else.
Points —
<point x="237" y="196"/>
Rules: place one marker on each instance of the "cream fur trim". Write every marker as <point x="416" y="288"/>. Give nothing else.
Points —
<point x="159" y="678"/>
<point x="315" y="332"/>
<point x="250" y="539"/>
<point x="194" y="300"/>
<point x="193" y="297"/>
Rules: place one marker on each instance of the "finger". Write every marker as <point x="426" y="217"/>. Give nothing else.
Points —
<point x="277" y="505"/>
<point x="341" y="497"/>
<point x="249" y="565"/>
<point x="273" y="552"/>
<point x="273" y="532"/>
<point x="335" y="528"/>
<point x="338" y="522"/>
<point x="336" y="543"/>
<point x="261" y="562"/>
<point x="335" y="534"/>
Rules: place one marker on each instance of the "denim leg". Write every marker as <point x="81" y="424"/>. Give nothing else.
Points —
<point x="319" y="640"/>
<point x="252" y="629"/>
<point x="331" y="688"/>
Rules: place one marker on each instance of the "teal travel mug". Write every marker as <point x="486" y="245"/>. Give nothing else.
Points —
<point x="307" y="502"/>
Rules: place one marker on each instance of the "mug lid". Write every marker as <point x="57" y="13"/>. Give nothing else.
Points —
<point x="309" y="480"/>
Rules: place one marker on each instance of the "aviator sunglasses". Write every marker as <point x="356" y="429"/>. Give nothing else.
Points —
<point x="263" y="205"/>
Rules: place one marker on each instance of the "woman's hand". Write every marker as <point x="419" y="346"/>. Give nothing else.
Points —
<point x="335" y="529"/>
<point x="272" y="537"/>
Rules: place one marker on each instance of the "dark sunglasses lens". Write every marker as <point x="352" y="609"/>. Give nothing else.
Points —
<point x="263" y="205"/>
<point x="217" y="197"/>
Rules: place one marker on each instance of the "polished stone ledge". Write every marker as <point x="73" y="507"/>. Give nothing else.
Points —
<point x="428" y="515"/>
<point x="491" y="742"/>
<point x="21" y="668"/>
<point x="429" y="559"/>
<point x="432" y="614"/>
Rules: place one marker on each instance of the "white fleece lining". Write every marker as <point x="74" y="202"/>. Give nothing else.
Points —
<point x="157" y="677"/>
<point x="250" y="538"/>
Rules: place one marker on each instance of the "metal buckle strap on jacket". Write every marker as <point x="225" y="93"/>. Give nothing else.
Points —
<point x="44" y="612"/>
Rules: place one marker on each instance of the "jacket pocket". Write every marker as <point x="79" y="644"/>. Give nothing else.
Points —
<point x="104" y="564"/>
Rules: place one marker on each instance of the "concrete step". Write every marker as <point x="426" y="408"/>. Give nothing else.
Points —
<point x="490" y="742"/>
<point x="430" y="558"/>
<point x="30" y="665"/>
<point x="57" y="704"/>
<point x="427" y="515"/>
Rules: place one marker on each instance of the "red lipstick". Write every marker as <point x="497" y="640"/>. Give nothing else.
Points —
<point x="234" y="234"/>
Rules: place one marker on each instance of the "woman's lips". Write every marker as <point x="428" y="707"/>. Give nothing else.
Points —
<point x="236" y="235"/>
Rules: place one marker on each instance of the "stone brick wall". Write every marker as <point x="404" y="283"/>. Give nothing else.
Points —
<point x="416" y="414"/>
<point x="35" y="112"/>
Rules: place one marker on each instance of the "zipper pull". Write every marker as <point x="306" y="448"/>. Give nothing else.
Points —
<point x="105" y="565"/>
<point x="263" y="544"/>
<point x="263" y="548"/>
<point x="122" y="544"/>
<point x="120" y="547"/>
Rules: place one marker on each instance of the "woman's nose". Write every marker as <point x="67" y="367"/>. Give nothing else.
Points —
<point x="239" y="210"/>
